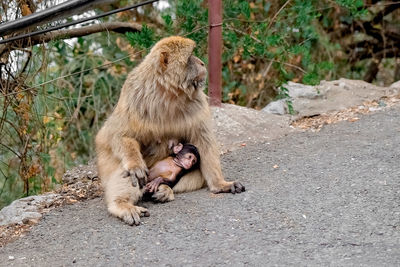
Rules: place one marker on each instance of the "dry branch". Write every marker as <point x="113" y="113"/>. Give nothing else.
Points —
<point x="367" y="26"/>
<point x="381" y="37"/>
<point x="119" y="27"/>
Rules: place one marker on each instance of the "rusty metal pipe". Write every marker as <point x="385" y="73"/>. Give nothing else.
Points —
<point x="215" y="51"/>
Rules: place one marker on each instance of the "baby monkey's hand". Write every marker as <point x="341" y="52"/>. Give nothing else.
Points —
<point x="153" y="185"/>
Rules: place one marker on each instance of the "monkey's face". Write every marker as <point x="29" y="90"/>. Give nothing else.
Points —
<point x="197" y="72"/>
<point x="187" y="160"/>
<point x="180" y="71"/>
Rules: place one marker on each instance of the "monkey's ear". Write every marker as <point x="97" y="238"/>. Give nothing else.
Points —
<point x="172" y="143"/>
<point x="164" y="60"/>
<point x="177" y="148"/>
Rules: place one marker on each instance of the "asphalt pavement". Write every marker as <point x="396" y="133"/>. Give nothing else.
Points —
<point x="330" y="198"/>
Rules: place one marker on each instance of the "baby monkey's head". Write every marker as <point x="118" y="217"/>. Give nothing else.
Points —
<point x="187" y="156"/>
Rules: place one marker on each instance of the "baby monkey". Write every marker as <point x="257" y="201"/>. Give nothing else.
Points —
<point x="169" y="170"/>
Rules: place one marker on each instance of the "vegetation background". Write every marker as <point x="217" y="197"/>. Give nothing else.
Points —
<point x="56" y="92"/>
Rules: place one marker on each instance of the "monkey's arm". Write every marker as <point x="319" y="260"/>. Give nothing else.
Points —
<point x="128" y="150"/>
<point x="170" y="180"/>
<point x="153" y="185"/>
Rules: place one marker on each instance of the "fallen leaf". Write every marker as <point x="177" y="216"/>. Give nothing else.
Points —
<point x="212" y="195"/>
<point x="71" y="200"/>
<point x="25" y="10"/>
<point x="46" y="119"/>
<point x="353" y="119"/>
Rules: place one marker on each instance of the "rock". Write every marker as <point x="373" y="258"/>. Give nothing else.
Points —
<point x="26" y="209"/>
<point x="82" y="173"/>
<point x="330" y="96"/>
<point x="235" y="125"/>
<point x="395" y="85"/>
<point x="277" y="107"/>
<point x="82" y="184"/>
<point x="297" y="90"/>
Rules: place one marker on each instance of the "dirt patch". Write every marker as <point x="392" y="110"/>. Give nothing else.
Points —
<point x="10" y="233"/>
<point x="315" y="123"/>
<point x="81" y="183"/>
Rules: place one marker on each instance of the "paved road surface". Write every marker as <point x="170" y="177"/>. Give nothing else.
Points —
<point x="334" y="200"/>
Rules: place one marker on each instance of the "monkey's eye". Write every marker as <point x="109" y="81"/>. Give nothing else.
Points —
<point x="192" y="158"/>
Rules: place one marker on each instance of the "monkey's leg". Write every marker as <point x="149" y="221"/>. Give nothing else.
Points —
<point x="120" y="197"/>
<point x="164" y="194"/>
<point x="120" y="194"/>
<point x="210" y="166"/>
<point x="190" y="182"/>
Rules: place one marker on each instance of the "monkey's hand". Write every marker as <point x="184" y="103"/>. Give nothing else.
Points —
<point x="153" y="185"/>
<point x="132" y="215"/>
<point x="230" y="187"/>
<point x="133" y="164"/>
<point x="137" y="175"/>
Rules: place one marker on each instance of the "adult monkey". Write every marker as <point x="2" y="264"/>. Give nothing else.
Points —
<point x="161" y="99"/>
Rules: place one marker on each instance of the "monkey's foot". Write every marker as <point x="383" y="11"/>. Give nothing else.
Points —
<point x="163" y="194"/>
<point x="137" y="175"/>
<point x="230" y="187"/>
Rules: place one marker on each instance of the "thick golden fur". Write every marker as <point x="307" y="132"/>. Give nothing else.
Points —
<point x="159" y="101"/>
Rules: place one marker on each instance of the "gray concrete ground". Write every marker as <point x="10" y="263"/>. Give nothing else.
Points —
<point x="330" y="198"/>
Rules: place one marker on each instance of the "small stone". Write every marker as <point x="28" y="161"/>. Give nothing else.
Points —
<point x="381" y="103"/>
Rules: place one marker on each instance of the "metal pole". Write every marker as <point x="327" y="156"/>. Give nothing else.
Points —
<point x="215" y="51"/>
